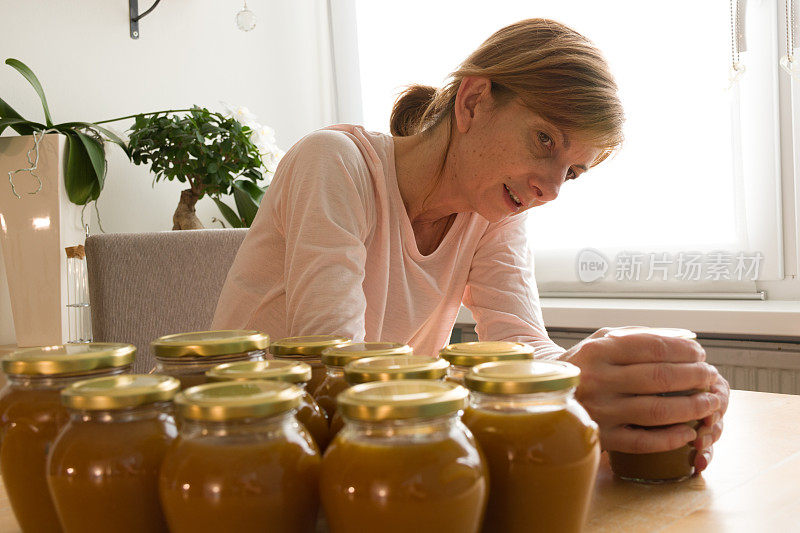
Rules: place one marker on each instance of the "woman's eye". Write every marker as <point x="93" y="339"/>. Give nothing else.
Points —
<point x="545" y="139"/>
<point x="571" y="174"/>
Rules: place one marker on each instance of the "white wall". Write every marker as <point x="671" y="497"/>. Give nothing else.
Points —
<point x="189" y="52"/>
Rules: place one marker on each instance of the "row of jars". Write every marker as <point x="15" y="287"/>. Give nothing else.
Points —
<point x="241" y="461"/>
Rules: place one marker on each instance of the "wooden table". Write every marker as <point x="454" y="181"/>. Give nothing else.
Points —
<point x="753" y="483"/>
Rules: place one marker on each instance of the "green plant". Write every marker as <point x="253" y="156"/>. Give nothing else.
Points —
<point x="213" y="153"/>
<point x="85" y="162"/>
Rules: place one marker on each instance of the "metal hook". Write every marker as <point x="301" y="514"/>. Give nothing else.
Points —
<point x="135" y="17"/>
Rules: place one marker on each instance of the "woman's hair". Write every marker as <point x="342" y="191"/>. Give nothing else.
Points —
<point x="552" y="69"/>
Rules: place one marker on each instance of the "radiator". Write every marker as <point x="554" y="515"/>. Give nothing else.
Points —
<point x="747" y="365"/>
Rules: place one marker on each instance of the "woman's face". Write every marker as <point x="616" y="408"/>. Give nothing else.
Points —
<point x="510" y="160"/>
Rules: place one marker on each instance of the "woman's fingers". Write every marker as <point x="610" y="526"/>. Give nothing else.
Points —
<point x="663" y="410"/>
<point x="702" y="459"/>
<point x="620" y="380"/>
<point x="722" y="389"/>
<point x="636" y="440"/>
<point x="654" y="378"/>
<point x="646" y="348"/>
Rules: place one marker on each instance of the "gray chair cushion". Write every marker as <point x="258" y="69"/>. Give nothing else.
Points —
<point x="145" y="285"/>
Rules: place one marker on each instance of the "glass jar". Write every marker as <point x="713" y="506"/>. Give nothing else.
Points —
<point x="464" y="355"/>
<point x="31" y="415"/>
<point x="403" y="461"/>
<point x="110" y="451"/>
<point x="241" y="461"/>
<point x="660" y="467"/>
<point x="187" y="356"/>
<point x="541" y="446"/>
<point x="337" y="357"/>
<point x="309" y="413"/>
<point x="308" y="350"/>
<point x="388" y="368"/>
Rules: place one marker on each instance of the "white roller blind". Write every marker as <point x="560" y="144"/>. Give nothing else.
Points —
<point x="698" y="178"/>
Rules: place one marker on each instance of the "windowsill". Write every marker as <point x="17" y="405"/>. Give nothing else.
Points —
<point x="776" y="318"/>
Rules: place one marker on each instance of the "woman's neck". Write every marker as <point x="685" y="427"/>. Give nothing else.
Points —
<point x="427" y="186"/>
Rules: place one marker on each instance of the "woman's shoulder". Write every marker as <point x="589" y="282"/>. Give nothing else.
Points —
<point x="342" y="154"/>
<point x="327" y="140"/>
<point x="331" y="166"/>
<point x="343" y="142"/>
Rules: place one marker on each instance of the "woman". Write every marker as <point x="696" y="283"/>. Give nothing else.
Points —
<point x="382" y="237"/>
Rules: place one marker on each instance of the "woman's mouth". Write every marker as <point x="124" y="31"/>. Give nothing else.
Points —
<point x="513" y="198"/>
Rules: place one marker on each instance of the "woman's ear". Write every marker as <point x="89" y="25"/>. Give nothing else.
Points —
<point x="474" y="96"/>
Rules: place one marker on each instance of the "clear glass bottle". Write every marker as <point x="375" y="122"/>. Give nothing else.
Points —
<point x="110" y="451"/>
<point x="403" y="461"/>
<point x="188" y="356"/>
<point x="79" y="318"/>
<point x="660" y="467"/>
<point x="31" y="415"/>
<point x="309" y="413"/>
<point x="464" y="355"/>
<point x="308" y="350"/>
<point x="541" y="446"/>
<point x="337" y="357"/>
<point x="241" y="461"/>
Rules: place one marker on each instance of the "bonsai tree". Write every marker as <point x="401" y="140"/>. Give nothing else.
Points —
<point x="214" y="154"/>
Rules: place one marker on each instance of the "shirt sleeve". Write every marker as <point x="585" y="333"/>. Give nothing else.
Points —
<point x="501" y="289"/>
<point x="326" y="212"/>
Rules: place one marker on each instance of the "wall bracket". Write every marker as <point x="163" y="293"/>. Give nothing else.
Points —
<point x="135" y="17"/>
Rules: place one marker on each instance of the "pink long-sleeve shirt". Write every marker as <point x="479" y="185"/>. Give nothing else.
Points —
<point x="332" y="250"/>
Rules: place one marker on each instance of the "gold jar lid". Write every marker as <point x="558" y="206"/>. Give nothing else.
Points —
<point x="663" y="332"/>
<point x="312" y="345"/>
<point x="288" y="371"/>
<point x="522" y="377"/>
<point x="119" y="392"/>
<point x="402" y="399"/>
<point x="387" y="368"/>
<point x="475" y="353"/>
<point x="68" y="358"/>
<point x="229" y="400"/>
<point x="341" y="355"/>
<point x="209" y="343"/>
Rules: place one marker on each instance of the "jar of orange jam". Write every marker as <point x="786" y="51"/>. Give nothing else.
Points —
<point x="308" y="350"/>
<point x="110" y="451"/>
<point x="241" y="461"/>
<point x="337" y="357"/>
<point x="540" y="444"/>
<point x="31" y="415"/>
<point x="464" y="355"/>
<point x="309" y="413"/>
<point x="187" y="356"/>
<point x="660" y="467"/>
<point x="403" y="462"/>
<point x="388" y="368"/>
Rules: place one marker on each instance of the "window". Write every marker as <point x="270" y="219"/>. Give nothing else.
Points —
<point x="693" y="204"/>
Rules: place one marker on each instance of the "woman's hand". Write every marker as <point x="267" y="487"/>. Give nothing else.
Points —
<point x="711" y="429"/>
<point x="620" y="377"/>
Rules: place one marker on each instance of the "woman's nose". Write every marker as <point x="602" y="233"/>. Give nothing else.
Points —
<point x="546" y="191"/>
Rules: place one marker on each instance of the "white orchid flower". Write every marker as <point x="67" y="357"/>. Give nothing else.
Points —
<point x="238" y="113"/>
<point x="271" y="161"/>
<point x="262" y="136"/>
